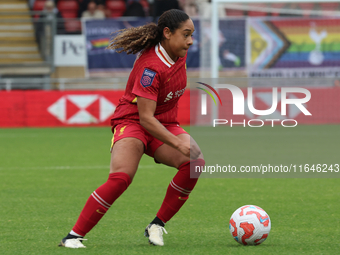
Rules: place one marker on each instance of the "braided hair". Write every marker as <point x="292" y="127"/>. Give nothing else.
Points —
<point x="135" y="39"/>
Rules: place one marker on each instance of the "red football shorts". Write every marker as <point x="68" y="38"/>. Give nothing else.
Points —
<point x="135" y="130"/>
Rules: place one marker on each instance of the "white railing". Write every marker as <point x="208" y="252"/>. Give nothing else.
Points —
<point x="9" y="84"/>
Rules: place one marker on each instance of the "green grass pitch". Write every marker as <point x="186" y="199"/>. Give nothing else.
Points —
<point x="46" y="175"/>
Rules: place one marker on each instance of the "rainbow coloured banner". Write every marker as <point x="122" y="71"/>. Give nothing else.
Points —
<point x="295" y="47"/>
<point x="100" y="43"/>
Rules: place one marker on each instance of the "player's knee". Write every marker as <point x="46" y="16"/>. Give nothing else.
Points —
<point x="196" y="167"/>
<point x="178" y="162"/>
<point x="194" y="162"/>
<point x="120" y="177"/>
<point x="193" y="167"/>
<point x="124" y="170"/>
<point x="198" y="162"/>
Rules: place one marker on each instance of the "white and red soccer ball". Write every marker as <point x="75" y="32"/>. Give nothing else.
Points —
<point x="249" y="225"/>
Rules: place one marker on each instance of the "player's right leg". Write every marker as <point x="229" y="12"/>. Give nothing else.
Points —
<point x="126" y="154"/>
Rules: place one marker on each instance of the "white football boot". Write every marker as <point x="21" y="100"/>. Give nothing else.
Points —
<point x="155" y="234"/>
<point x="73" y="243"/>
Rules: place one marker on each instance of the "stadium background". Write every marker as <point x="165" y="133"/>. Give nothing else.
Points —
<point x="55" y="72"/>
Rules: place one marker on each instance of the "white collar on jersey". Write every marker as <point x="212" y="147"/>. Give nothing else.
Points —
<point x="163" y="55"/>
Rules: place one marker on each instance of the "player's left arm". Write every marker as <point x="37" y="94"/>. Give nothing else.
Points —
<point x="146" y="109"/>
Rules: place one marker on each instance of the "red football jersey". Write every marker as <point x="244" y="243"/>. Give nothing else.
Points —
<point x="157" y="77"/>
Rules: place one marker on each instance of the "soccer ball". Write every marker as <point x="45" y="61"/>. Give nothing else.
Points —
<point x="249" y="225"/>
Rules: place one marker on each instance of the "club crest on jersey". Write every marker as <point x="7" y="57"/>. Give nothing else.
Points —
<point x="147" y="77"/>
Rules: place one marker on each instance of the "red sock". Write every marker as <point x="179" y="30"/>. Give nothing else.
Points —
<point x="179" y="190"/>
<point x="100" y="201"/>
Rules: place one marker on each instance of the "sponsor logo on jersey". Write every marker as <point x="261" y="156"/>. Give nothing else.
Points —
<point x="172" y="95"/>
<point x="168" y="97"/>
<point x="147" y="77"/>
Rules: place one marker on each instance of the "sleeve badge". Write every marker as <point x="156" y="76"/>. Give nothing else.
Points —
<point x="147" y="77"/>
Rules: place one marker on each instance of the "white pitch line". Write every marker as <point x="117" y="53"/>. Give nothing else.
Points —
<point x="69" y="167"/>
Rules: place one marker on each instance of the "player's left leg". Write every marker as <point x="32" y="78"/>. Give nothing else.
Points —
<point x="179" y="188"/>
<point x="121" y="174"/>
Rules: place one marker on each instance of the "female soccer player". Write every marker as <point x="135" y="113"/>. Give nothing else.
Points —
<point x="145" y="121"/>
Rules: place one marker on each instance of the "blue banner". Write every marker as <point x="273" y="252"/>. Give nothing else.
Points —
<point x="99" y="32"/>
